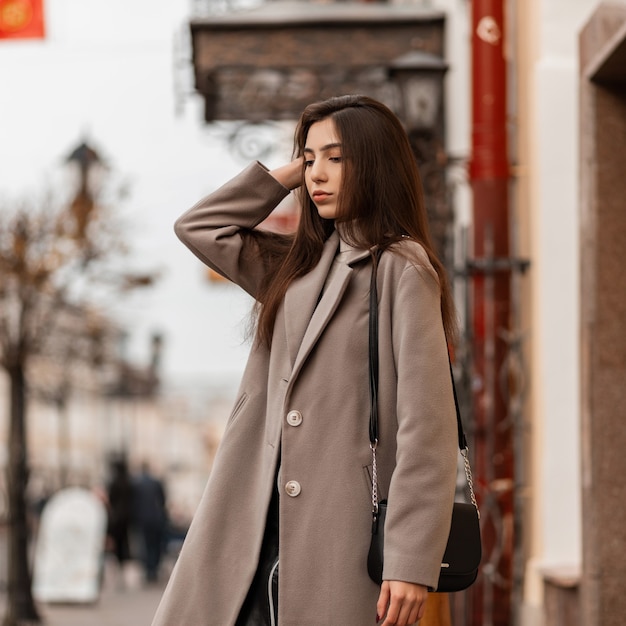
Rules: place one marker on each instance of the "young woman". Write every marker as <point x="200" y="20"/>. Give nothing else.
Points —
<point x="287" y="509"/>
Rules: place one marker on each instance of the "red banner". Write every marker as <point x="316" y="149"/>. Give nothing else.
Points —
<point x="21" y="19"/>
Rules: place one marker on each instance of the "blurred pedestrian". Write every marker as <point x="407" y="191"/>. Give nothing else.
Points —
<point x="120" y="508"/>
<point x="283" y="530"/>
<point x="150" y="518"/>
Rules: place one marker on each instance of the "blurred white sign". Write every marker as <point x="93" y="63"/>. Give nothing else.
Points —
<point x="70" y="548"/>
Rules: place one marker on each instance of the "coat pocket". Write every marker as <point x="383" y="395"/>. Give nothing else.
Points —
<point x="241" y="402"/>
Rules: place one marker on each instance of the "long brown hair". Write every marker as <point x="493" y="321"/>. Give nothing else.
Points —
<point x="381" y="201"/>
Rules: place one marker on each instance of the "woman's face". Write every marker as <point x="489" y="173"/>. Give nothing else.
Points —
<point x="323" y="167"/>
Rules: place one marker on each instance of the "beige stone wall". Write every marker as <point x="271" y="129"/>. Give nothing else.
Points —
<point x="524" y="190"/>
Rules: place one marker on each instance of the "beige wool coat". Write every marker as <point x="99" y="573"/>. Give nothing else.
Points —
<point x="305" y="404"/>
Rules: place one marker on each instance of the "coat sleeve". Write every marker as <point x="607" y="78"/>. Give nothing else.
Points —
<point x="212" y="228"/>
<point x="421" y="491"/>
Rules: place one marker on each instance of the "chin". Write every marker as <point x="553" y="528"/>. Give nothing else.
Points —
<point x="327" y="214"/>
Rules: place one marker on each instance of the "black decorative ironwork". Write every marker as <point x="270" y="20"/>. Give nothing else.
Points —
<point x="510" y="382"/>
<point x="239" y="92"/>
<point x="251" y="141"/>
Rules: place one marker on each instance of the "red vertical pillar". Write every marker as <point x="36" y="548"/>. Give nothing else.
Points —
<point x="490" y="599"/>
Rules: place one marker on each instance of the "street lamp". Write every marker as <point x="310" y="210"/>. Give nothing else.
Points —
<point x="83" y="204"/>
<point x="419" y="78"/>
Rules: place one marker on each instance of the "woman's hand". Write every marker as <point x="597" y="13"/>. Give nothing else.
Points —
<point x="289" y="175"/>
<point x="401" y="603"/>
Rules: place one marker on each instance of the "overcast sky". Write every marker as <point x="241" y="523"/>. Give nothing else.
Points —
<point x="106" y="73"/>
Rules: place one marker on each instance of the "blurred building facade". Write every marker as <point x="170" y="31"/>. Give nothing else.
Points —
<point x="570" y="137"/>
<point x="94" y="406"/>
<point x="566" y="117"/>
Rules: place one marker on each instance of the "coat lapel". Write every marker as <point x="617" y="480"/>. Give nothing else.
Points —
<point x="301" y="297"/>
<point x="305" y="317"/>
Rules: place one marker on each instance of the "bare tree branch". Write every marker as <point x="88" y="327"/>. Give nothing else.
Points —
<point x="53" y="258"/>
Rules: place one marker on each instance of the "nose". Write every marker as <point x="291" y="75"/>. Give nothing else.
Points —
<point x="318" y="171"/>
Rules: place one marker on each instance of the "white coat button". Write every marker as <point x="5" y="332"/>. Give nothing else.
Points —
<point x="293" y="488"/>
<point x="294" y="418"/>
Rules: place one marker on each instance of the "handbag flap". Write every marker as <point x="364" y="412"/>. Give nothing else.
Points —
<point x="463" y="552"/>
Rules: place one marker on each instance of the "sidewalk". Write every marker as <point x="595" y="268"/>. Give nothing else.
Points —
<point x="132" y="604"/>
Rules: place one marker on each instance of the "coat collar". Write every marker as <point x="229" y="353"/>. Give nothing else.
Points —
<point x="305" y="318"/>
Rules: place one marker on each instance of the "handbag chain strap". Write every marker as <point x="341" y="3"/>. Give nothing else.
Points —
<point x="373" y="385"/>
<point x="468" y="476"/>
<point x="374" y="482"/>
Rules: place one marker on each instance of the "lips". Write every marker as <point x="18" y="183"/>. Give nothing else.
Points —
<point x="320" y="196"/>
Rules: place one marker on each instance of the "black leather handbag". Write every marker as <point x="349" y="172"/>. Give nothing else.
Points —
<point x="459" y="566"/>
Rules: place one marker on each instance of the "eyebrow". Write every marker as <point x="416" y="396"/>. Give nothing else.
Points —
<point x="328" y="146"/>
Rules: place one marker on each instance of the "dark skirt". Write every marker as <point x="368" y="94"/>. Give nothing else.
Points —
<point x="260" y="608"/>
